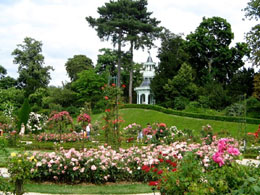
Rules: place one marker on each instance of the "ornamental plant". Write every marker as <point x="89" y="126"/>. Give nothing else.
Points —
<point x="60" y="120"/>
<point x="36" y="123"/>
<point x="83" y="119"/>
<point x="207" y="134"/>
<point x="132" y="130"/>
<point x="65" y="137"/>
<point x="112" y="96"/>
<point x="20" y="168"/>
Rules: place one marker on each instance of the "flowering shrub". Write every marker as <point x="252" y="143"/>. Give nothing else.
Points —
<point x="36" y="122"/>
<point x="107" y="165"/>
<point x="20" y="168"/>
<point x="207" y="133"/>
<point x="84" y="119"/>
<point x="63" y="116"/>
<point x="132" y="129"/>
<point x="225" y="151"/>
<point x="61" y="120"/>
<point x="112" y="95"/>
<point x="65" y="137"/>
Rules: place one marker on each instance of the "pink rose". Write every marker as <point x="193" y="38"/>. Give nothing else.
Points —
<point x="93" y="168"/>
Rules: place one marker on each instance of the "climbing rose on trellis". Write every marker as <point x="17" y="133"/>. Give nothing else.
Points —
<point x="84" y="118"/>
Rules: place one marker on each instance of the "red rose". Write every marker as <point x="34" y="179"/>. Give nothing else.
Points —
<point x="160" y="172"/>
<point x="113" y="84"/>
<point x="153" y="183"/>
<point x="123" y="86"/>
<point x="174" y="170"/>
<point x="161" y="160"/>
<point x="106" y="97"/>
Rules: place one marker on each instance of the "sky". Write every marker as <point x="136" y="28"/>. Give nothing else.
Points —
<point x="64" y="32"/>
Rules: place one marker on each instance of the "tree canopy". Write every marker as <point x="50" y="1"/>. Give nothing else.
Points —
<point x="77" y="64"/>
<point x="32" y="74"/>
<point x="210" y="54"/>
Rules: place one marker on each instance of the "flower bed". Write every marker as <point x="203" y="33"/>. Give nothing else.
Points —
<point x="107" y="165"/>
<point x="65" y="137"/>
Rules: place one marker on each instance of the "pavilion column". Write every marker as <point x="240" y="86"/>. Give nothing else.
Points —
<point x="138" y="98"/>
<point x="146" y="98"/>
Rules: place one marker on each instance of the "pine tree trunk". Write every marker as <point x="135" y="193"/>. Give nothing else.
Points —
<point x="131" y="75"/>
<point x="119" y="61"/>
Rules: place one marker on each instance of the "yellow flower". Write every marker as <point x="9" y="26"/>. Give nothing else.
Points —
<point x="13" y="154"/>
<point x="35" y="160"/>
<point x="31" y="158"/>
<point x="19" y="161"/>
<point x="25" y="154"/>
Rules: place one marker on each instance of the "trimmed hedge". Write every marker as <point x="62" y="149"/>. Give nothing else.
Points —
<point x="193" y="115"/>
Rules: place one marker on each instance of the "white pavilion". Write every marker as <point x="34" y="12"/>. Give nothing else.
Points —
<point x="144" y="94"/>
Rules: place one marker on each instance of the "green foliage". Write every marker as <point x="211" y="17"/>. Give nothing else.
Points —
<point x="107" y="61"/>
<point x="235" y="109"/>
<point x="7" y="82"/>
<point x="215" y="95"/>
<point x="253" y="107"/>
<point x="210" y="54"/>
<point x="23" y="114"/>
<point x="256" y="93"/>
<point x="77" y="64"/>
<point x="126" y="21"/>
<point x="112" y="119"/>
<point x="12" y="95"/>
<point x="172" y="55"/>
<point x="252" y="9"/>
<point x="187" y="178"/>
<point x="32" y="74"/>
<point x="58" y="98"/>
<point x="252" y="12"/>
<point x="19" y="167"/>
<point x="241" y="83"/>
<point x="181" y="88"/>
<point x="88" y="88"/>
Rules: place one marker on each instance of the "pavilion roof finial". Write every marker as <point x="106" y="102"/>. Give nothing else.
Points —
<point x="149" y="59"/>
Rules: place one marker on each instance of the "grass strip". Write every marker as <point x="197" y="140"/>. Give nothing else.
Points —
<point x="135" y="188"/>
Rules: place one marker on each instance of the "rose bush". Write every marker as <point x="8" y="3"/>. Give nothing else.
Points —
<point x="105" y="164"/>
<point x="65" y="137"/>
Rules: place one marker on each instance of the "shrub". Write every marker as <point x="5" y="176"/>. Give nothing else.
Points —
<point x="24" y="113"/>
<point x="20" y="168"/>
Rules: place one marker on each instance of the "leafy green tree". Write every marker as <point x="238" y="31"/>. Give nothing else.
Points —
<point x="77" y="64"/>
<point x="241" y="83"/>
<point x="180" y="86"/>
<point x="32" y="74"/>
<point x="88" y="88"/>
<point x="7" y="82"/>
<point x="256" y="92"/>
<point x="172" y="55"/>
<point x="12" y="95"/>
<point x="107" y="61"/>
<point x="62" y="96"/>
<point x="3" y="72"/>
<point x="252" y="11"/>
<point x="210" y="52"/>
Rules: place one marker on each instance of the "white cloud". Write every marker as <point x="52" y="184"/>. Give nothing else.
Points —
<point x="64" y="32"/>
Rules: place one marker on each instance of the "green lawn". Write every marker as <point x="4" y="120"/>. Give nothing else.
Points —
<point x="143" y="116"/>
<point x="88" y="189"/>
